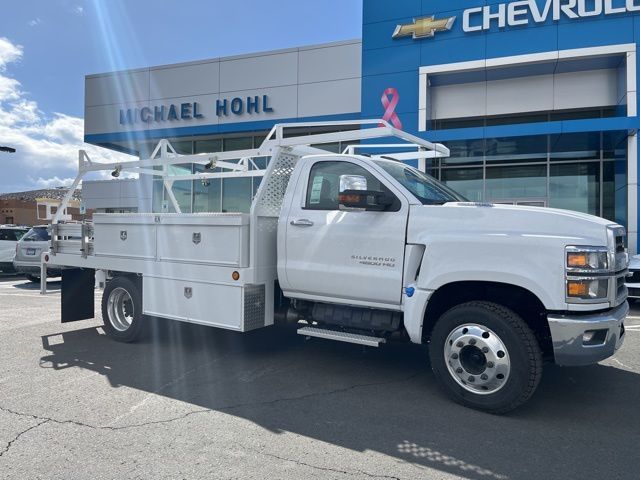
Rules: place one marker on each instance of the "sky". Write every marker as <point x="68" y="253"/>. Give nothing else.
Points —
<point x="48" y="46"/>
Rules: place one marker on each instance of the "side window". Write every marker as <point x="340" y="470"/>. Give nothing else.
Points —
<point x="8" y="235"/>
<point x="324" y="185"/>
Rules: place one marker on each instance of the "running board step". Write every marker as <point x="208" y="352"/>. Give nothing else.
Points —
<point x="341" y="336"/>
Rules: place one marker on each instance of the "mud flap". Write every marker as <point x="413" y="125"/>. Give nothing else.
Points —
<point x="78" y="294"/>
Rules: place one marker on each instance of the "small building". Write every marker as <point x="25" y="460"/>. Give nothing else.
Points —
<point x="37" y="207"/>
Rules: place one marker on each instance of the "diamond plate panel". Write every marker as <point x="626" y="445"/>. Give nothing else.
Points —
<point x="254" y="307"/>
<point x="272" y="191"/>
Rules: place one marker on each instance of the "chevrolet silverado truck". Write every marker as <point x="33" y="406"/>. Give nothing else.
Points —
<point x="358" y="247"/>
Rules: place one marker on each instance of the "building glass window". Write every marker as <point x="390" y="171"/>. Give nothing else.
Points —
<point x="238" y="143"/>
<point x="465" y="152"/>
<point x="575" y="186"/>
<point x="236" y="195"/>
<point x="157" y="195"/>
<point x="516" y="149"/>
<point x="584" y="172"/>
<point x="575" y="146"/>
<point x="614" y="191"/>
<point x="207" y="195"/>
<point x="181" y="189"/>
<point x="466" y="181"/>
<point x="516" y="182"/>
<point x="182" y="147"/>
<point x="208" y="146"/>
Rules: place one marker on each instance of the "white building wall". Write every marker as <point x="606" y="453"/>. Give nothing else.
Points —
<point x="583" y="89"/>
<point x="126" y="194"/>
<point x="300" y="82"/>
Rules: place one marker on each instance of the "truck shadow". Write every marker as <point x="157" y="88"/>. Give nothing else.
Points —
<point x="52" y="285"/>
<point x="384" y="400"/>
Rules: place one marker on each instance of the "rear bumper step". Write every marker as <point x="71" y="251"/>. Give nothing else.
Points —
<point x="341" y="336"/>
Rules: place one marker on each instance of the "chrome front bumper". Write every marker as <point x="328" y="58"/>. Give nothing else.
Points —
<point x="567" y="334"/>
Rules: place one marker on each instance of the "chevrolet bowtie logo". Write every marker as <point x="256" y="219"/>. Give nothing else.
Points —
<point x="424" y="27"/>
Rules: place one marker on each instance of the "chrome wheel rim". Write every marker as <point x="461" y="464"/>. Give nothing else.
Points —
<point x="477" y="359"/>
<point x="120" y="309"/>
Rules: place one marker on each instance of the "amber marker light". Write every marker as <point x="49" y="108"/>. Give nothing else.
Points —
<point x="235" y="276"/>
<point x="577" y="289"/>
<point x="577" y="260"/>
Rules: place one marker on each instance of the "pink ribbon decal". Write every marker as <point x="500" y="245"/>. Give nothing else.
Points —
<point x="390" y="106"/>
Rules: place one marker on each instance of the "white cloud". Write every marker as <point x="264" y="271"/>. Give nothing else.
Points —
<point x="78" y="10"/>
<point x="35" y="22"/>
<point x="9" y="52"/>
<point x="52" y="182"/>
<point x="46" y="145"/>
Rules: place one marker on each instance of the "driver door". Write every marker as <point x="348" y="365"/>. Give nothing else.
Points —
<point x="344" y="255"/>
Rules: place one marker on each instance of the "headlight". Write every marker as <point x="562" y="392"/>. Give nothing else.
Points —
<point x="587" y="259"/>
<point x="588" y="288"/>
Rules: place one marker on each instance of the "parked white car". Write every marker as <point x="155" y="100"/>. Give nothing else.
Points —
<point x="9" y="236"/>
<point x="633" y="280"/>
<point x="28" y="251"/>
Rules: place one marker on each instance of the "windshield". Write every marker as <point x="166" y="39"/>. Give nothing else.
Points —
<point x="424" y="187"/>
<point x="37" y="235"/>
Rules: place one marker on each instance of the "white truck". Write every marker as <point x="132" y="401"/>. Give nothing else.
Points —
<point x="359" y="248"/>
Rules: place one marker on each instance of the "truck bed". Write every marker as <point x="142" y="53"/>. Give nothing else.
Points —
<point x="187" y="263"/>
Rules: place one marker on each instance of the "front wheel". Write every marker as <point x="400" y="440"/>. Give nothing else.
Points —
<point x="485" y="356"/>
<point x="32" y="278"/>
<point x="122" y="309"/>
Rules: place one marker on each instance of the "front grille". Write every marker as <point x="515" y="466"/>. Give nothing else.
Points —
<point x="620" y="286"/>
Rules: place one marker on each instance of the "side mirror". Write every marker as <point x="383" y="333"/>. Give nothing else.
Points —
<point x="354" y="195"/>
<point x="352" y="182"/>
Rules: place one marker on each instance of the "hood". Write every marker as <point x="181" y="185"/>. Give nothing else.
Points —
<point x="459" y="218"/>
<point x="517" y="245"/>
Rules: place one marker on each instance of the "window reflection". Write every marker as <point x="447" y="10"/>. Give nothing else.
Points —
<point x="584" y="172"/>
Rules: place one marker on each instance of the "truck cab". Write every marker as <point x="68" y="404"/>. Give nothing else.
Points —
<point x="482" y="284"/>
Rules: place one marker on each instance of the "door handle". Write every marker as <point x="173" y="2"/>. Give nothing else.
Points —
<point x="302" y="222"/>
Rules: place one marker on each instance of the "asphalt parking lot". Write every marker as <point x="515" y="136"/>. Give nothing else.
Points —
<point x="195" y="402"/>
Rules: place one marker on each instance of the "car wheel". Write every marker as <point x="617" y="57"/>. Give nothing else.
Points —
<point x="485" y="356"/>
<point x="32" y="278"/>
<point x="122" y="309"/>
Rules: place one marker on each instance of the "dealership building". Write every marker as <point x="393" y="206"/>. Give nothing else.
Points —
<point x="536" y="100"/>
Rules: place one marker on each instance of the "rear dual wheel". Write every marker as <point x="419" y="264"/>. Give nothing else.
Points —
<point x="485" y="356"/>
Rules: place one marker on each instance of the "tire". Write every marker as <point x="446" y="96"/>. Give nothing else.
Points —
<point x="32" y="278"/>
<point x="122" y="309"/>
<point x="473" y="344"/>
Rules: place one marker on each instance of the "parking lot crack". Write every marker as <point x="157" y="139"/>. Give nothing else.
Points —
<point x="223" y="408"/>
<point x="318" y="394"/>
<point x="316" y="467"/>
<point x="15" y="439"/>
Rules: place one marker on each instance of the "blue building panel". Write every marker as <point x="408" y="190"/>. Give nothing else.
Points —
<point x="522" y="41"/>
<point x="595" y="33"/>
<point x="390" y="60"/>
<point x="452" y="50"/>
